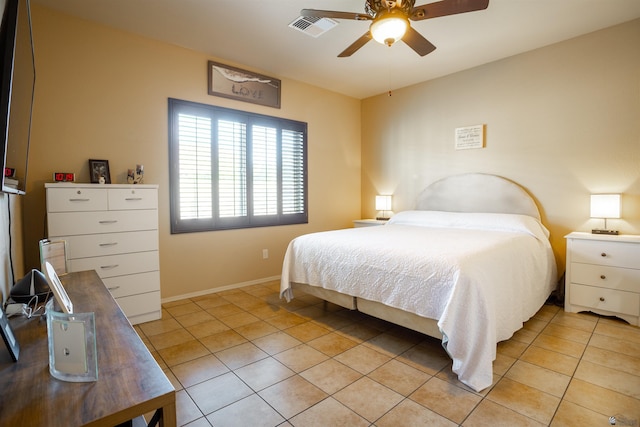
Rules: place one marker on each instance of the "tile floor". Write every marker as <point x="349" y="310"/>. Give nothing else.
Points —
<point x="246" y="358"/>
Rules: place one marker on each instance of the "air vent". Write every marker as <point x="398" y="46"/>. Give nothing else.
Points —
<point x="313" y="26"/>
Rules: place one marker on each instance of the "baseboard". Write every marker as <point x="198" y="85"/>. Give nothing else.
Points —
<point x="219" y="289"/>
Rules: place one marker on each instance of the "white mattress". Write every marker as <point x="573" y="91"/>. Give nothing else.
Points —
<point x="480" y="275"/>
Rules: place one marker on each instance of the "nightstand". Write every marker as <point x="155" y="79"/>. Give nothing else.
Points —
<point x="367" y="222"/>
<point x="603" y="275"/>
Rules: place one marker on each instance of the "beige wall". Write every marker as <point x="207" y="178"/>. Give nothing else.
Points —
<point x="563" y="121"/>
<point x="11" y="258"/>
<point x="102" y="94"/>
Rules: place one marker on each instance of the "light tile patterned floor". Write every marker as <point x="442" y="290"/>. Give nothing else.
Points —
<point x="246" y="358"/>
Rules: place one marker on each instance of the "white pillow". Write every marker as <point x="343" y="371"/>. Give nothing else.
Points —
<point x="478" y="221"/>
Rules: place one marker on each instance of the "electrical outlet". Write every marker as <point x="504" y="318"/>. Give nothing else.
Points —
<point x="265" y="254"/>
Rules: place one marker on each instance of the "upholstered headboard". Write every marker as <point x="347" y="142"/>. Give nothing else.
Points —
<point x="477" y="192"/>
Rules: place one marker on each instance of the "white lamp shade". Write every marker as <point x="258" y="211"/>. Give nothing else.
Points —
<point x="383" y="203"/>
<point x="605" y="206"/>
<point x="389" y="29"/>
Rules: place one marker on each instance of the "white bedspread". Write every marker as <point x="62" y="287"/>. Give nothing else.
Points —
<point x="480" y="275"/>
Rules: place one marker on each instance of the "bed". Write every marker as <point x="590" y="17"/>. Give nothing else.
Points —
<point x="469" y="265"/>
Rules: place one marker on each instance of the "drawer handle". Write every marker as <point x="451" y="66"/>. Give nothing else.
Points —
<point x="115" y="243"/>
<point x="603" y="254"/>
<point x="79" y="200"/>
<point x="109" y="267"/>
<point x="114" y="288"/>
<point x="602" y="276"/>
<point x="133" y="198"/>
<point x="602" y="299"/>
<point x="112" y="221"/>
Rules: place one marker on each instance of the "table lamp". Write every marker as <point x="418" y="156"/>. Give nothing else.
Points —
<point x="605" y="206"/>
<point x="383" y="203"/>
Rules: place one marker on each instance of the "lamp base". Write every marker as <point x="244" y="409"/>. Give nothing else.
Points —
<point x="381" y="218"/>
<point x="602" y="231"/>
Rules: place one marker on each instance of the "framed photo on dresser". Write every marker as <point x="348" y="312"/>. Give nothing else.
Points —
<point x="99" y="171"/>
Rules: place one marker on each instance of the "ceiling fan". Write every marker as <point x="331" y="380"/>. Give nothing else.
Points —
<point x="390" y="20"/>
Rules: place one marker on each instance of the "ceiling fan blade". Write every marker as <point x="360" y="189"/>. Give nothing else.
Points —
<point x="312" y="13"/>
<point x="446" y="7"/>
<point x="418" y="43"/>
<point x="356" y="45"/>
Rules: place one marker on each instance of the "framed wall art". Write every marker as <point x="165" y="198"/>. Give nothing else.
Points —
<point x="470" y="137"/>
<point x="235" y="83"/>
<point x="99" y="171"/>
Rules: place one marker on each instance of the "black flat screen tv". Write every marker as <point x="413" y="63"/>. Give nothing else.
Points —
<point x="17" y="84"/>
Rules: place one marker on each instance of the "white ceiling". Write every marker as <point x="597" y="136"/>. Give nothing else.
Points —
<point x="255" y="34"/>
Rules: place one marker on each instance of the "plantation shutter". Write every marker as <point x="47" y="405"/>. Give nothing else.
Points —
<point x="265" y="170"/>
<point x="232" y="169"/>
<point x="194" y="141"/>
<point x="293" y="172"/>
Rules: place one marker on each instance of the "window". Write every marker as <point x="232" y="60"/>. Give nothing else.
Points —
<point x="233" y="169"/>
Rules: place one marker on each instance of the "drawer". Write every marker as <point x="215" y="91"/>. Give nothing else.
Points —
<point x="75" y="223"/>
<point x="624" y="279"/>
<point x="133" y="284"/>
<point x="76" y="199"/>
<point x="142" y="307"/>
<point x="605" y="299"/>
<point x="618" y="254"/>
<point x="132" y="198"/>
<point x="118" y="265"/>
<point x="92" y="245"/>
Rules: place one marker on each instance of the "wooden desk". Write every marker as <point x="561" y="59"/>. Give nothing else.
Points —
<point x="130" y="382"/>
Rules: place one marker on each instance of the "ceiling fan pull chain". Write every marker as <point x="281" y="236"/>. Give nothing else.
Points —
<point x="389" y="63"/>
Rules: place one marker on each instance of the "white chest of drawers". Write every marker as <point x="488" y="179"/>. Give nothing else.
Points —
<point x="112" y="229"/>
<point x="603" y="275"/>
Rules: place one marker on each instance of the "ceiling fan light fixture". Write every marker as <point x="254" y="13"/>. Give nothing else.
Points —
<point x="389" y="28"/>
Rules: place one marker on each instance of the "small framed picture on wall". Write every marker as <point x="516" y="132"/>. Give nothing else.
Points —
<point x="99" y="171"/>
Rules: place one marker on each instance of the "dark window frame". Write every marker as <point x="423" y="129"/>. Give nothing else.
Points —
<point x="215" y="221"/>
